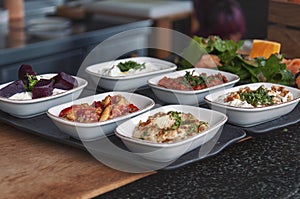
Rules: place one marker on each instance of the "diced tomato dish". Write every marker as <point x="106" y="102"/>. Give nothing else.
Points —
<point x="193" y="82"/>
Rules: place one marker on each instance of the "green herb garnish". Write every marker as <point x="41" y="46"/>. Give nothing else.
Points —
<point x="145" y="133"/>
<point x="126" y="66"/>
<point x="176" y="116"/>
<point x="32" y="80"/>
<point x="191" y="80"/>
<point x="193" y="128"/>
<point x="199" y="46"/>
<point x="258" y="97"/>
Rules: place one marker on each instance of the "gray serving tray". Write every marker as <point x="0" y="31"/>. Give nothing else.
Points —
<point x="285" y="120"/>
<point x="43" y="126"/>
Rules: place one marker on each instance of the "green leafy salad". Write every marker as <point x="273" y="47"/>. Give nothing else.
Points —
<point x="249" y="70"/>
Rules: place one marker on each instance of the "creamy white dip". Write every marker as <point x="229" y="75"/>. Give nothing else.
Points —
<point x="114" y="71"/>
<point x="279" y="97"/>
<point x="28" y="95"/>
<point x="235" y="102"/>
<point x="21" y="96"/>
<point x="279" y="94"/>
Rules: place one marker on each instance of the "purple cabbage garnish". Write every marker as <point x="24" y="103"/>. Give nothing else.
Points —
<point x="64" y="81"/>
<point x="43" y="88"/>
<point x="13" y="88"/>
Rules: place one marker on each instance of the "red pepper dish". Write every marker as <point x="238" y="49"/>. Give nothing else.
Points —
<point x="99" y="111"/>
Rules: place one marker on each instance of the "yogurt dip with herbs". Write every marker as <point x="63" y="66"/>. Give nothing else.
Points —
<point x="28" y="95"/>
<point x="129" y="68"/>
<point x="261" y="97"/>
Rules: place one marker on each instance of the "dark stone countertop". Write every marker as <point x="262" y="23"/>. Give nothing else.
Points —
<point x="266" y="166"/>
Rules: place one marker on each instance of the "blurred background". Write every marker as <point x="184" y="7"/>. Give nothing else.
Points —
<point x="57" y="35"/>
<point x="255" y="12"/>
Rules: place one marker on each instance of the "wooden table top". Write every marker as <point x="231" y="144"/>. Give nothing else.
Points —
<point x="34" y="167"/>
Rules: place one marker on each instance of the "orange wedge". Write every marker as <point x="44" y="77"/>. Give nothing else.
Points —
<point x="264" y="48"/>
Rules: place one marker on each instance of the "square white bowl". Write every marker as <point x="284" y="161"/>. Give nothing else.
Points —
<point x="30" y="108"/>
<point x="246" y="117"/>
<point x="172" y="96"/>
<point x="128" y="82"/>
<point x="165" y="152"/>
<point x="97" y="130"/>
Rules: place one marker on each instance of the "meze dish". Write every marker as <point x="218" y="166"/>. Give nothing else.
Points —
<point x="256" y="103"/>
<point x="260" y="97"/>
<point x="108" y="108"/>
<point x="97" y="116"/>
<point x="128" y="68"/>
<point x="190" y="86"/>
<point x="33" y="94"/>
<point x="169" y="127"/>
<point x="165" y="133"/>
<point x="191" y="81"/>
<point x="31" y="86"/>
<point x="129" y="73"/>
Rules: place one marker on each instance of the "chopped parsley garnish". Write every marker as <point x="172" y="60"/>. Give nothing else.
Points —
<point x="176" y="116"/>
<point x="193" y="128"/>
<point x="145" y="133"/>
<point x="126" y="66"/>
<point x="32" y="80"/>
<point x="190" y="79"/>
<point x="258" y="97"/>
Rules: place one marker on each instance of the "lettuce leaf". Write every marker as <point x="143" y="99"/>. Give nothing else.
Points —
<point x="270" y="70"/>
<point x="224" y="49"/>
<point x="249" y="70"/>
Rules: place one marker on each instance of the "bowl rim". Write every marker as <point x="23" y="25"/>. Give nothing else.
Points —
<point x="251" y="109"/>
<point x="81" y="86"/>
<point x="236" y="78"/>
<point x="218" y="125"/>
<point x="171" y="67"/>
<point x="98" y="124"/>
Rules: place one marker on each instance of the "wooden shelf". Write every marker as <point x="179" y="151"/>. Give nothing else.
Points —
<point x="284" y="26"/>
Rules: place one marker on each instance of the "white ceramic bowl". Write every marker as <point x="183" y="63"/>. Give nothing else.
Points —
<point x="128" y="82"/>
<point x="173" y="96"/>
<point x="164" y="152"/>
<point x="33" y="107"/>
<point x="247" y="117"/>
<point x="93" y="131"/>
